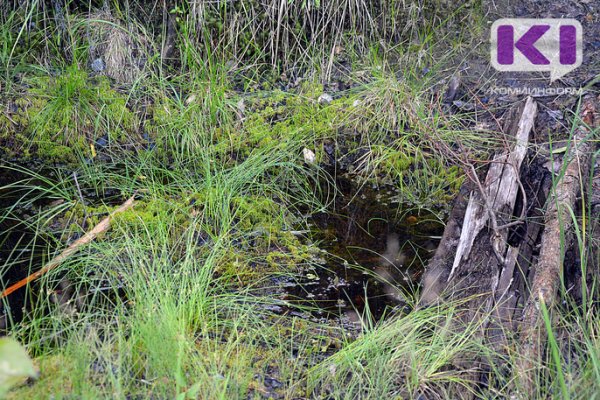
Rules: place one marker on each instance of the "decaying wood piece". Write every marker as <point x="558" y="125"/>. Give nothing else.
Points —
<point x="472" y="254"/>
<point x="436" y="275"/>
<point x="89" y="236"/>
<point x="474" y="262"/>
<point x="499" y="193"/>
<point x="513" y="284"/>
<point x="503" y="278"/>
<point x="593" y="256"/>
<point x="558" y="224"/>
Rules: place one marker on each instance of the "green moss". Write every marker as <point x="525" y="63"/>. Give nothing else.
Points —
<point x="199" y="124"/>
<point x="253" y="212"/>
<point x="57" y="374"/>
<point x="148" y="215"/>
<point x="455" y="177"/>
<point x="63" y="115"/>
<point x="56" y="152"/>
<point x="429" y="184"/>
<point x="260" y="255"/>
<point x="277" y="117"/>
<point x="77" y="220"/>
<point x="154" y="214"/>
<point x="12" y="126"/>
<point x="261" y="243"/>
<point x="396" y="163"/>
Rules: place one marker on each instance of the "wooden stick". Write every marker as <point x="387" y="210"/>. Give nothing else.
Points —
<point x="101" y="227"/>
<point x="549" y="268"/>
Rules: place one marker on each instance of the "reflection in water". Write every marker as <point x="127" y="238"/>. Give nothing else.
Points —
<point x="376" y="253"/>
<point x="390" y="273"/>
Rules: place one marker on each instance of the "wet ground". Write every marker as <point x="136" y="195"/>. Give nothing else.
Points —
<point x="9" y="241"/>
<point x="374" y="251"/>
<point x="372" y="254"/>
<point x="23" y="250"/>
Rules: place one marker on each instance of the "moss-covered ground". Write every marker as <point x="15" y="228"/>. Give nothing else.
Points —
<point x="231" y="124"/>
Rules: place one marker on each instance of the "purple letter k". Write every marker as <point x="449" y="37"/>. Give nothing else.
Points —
<point x="525" y="44"/>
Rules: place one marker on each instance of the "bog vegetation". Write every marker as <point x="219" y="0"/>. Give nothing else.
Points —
<point x="204" y="111"/>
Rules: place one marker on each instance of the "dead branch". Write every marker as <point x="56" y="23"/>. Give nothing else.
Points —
<point x="558" y="224"/>
<point x="101" y="227"/>
<point x="462" y="262"/>
<point x="499" y="193"/>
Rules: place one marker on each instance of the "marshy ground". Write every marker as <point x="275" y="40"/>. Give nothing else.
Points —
<point x="293" y="166"/>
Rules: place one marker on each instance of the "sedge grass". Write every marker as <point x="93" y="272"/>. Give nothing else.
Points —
<point x="154" y="314"/>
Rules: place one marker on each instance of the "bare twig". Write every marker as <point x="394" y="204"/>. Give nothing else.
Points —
<point x="101" y="227"/>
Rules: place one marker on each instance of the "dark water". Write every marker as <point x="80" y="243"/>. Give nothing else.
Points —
<point x="22" y="249"/>
<point x="376" y="251"/>
<point x="14" y="237"/>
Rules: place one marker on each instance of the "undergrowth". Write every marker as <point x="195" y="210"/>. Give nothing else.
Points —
<point x="206" y="111"/>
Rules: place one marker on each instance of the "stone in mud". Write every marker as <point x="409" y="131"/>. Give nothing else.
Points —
<point x="309" y="156"/>
<point x="98" y="65"/>
<point x="325" y="98"/>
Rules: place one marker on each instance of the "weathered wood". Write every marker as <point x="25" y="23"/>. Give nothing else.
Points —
<point x="474" y="262"/>
<point x="471" y="258"/>
<point x="499" y="193"/>
<point x="436" y="275"/>
<point x="557" y="227"/>
<point x="513" y="287"/>
<point x="501" y="277"/>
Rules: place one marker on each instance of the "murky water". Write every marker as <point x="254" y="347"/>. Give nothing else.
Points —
<point x="375" y="253"/>
<point x="12" y="238"/>
<point x="22" y="249"/>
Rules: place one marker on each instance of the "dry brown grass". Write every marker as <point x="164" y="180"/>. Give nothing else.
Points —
<point x="122" y="48"/>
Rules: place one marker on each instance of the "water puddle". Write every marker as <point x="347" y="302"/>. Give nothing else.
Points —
<point x="374" y="253"/>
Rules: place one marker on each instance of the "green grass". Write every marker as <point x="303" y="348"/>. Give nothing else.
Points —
<point x="174" y="300"/>
<point x="181" y="321"/>
<point x="159" y="315"/>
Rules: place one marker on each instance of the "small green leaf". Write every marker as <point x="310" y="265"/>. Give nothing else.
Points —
<point x="15" y="364"/>
<point x="559" y="150"/>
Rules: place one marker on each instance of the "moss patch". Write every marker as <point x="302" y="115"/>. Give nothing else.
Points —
<point x="60" y="117"/>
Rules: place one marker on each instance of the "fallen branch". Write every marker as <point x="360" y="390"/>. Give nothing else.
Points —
<point x="462" y="266"/>
<point x="101" y="227"/>
<point x="499" y="195"/>
<point x="549" y="269"/>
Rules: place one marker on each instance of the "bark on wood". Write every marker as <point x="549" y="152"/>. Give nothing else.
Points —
<point x="474" y="261"/>
<point x="472" y="254"/>
<point x="438" y="269"/>
<point x="101" y="227"/>
<point x="477" y="259"/>
<point x="558" y="225"/>
<point x="513" y="286"/>
<point x="593" y="255"/>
